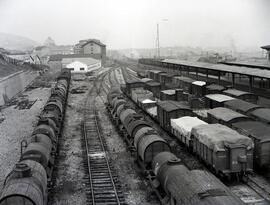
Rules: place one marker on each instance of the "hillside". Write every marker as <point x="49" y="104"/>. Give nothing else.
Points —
<point x="14" y="42"/>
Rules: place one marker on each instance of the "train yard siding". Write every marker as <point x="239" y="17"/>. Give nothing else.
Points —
<point x="15" y="83"/>
<point x="18" y="125"/>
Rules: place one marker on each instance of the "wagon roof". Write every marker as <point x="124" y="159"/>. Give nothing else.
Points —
<point x="225" y="114"/>
<point x="215" y="136"/>
<point x="241" y="105"/>
<point x="144" y="80"/>
<point x="235" y="92"/>
<point x="168" y="92"/>
<point x="219" y="97"/>
<point x="215" y="87"/>
<point x="156" y="71"/>
<point x="152" y="83"/>
<point x="169" y="105"/>
<point x="185" y="79"/>
<point x="256" y="129"/>
<point x="185" y="124"/>
<point x="199" y="83"/>
<point x="262" y="113"/>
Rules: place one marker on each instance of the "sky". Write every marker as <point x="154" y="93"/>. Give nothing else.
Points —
<point x="133" y="23"/>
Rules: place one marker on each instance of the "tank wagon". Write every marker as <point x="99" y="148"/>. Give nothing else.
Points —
<point x="185" y="187"/>
<point x="28" y="180"/>
<point x="172" y="181"/>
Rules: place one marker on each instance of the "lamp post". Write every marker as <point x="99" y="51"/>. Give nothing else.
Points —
<point x="157" y="40"/>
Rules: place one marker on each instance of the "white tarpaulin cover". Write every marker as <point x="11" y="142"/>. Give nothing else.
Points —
<point x="185" y="124"/>
<point x="148" y="101"/>
<point x="214" y="136"/>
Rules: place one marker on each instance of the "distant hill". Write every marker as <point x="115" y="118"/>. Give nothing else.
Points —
<point x="14" y="42"/>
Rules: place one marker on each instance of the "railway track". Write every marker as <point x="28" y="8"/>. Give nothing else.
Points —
<point x="253" y="190"/>
<point x="103" y="187"/>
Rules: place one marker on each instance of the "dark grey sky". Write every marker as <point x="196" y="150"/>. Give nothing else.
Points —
<point x="132" y="23"/>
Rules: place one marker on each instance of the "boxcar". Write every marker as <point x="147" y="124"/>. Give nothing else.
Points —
<point x="168" y="95"/>
<point x="198" y="88"/>
<point x="225" y="116"/>
<point x="154" y="87"/>
<point x="223" y="149"/>
<point x="260" y="133"/>
<point x="167" y="110"/>
<point x="261" y="114"/>
<point x="214" y="89"/>
<point x="241" y="106"/>
<point x="216" y="100"/>
<point x="247" y="96"/>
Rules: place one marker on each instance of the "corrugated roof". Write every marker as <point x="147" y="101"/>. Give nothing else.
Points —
<point x="225" y="114"/>
<point x="169" y="105"/>
<point x="241" y="105"/>
<point x="262" y="73"/>
<point x="219" y="97"/>
<point x="235" y="92"/>
<point x="256" y="129"/>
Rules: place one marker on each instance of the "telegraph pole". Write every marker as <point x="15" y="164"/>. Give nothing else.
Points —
<point x="157" y="43"/>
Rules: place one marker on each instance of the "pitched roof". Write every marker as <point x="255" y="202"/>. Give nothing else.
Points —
<point x="219" y="97"/>
<point x="225" y="114"/>
<point x="266" y="47"/>
<point x="169" y="105"/>
<point x="93" y="41"/>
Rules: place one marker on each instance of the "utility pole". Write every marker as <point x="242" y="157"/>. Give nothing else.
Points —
<point x="157" y="43"/>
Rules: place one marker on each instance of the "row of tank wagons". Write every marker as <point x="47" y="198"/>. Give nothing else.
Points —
<point x="172" y="181"/>
<point x="27" y="182"/>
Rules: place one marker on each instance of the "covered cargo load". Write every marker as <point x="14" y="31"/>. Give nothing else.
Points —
<point x="181" y="128"/>
<point x="224" y="149"/>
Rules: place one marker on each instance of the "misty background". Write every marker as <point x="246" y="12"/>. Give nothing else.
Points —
<point x="121" y="24"/>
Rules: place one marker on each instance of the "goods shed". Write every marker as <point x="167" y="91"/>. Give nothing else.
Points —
<point x="241" y="106"/>
<point x="216" y="100"/>
<point x="225" y="116"/>
<point x="260" y="133"/>
<point x="167" y="110"/>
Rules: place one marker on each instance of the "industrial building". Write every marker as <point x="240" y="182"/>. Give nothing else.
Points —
<point x="77" y="63"/>
<point x="91" y="47"/>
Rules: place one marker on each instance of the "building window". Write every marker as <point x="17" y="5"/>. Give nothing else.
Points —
<point x="81" y="68"/>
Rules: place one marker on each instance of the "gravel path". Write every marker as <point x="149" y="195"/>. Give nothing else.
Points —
<point x="69" y="186"/>
<point x="18" y="125"/>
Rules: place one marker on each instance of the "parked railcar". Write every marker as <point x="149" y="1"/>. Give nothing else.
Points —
<point x="261" y="114"/>
<point x="186" y="187"/>
<point x="241" y="106"/>
<point x="181" y="129"/>
<point x="223" y="149"/>
<point x="27" y="182"/>
<point x="225" y="116"/>
<point x="260" y="134"/>
<point x="246" y="96"/>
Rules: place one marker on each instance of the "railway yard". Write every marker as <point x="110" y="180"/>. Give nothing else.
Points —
<point x="125" y="135"/>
